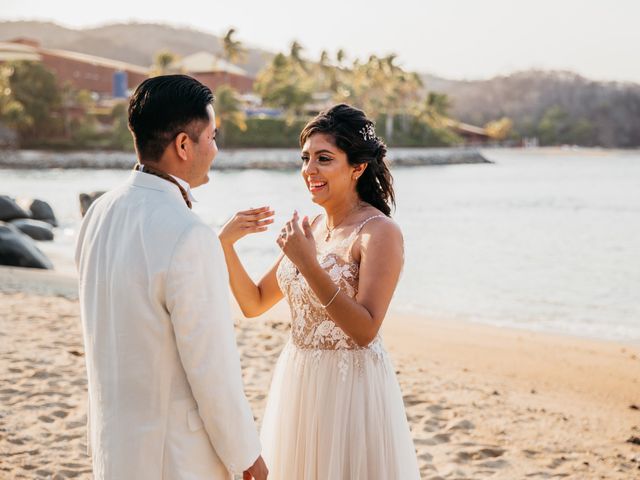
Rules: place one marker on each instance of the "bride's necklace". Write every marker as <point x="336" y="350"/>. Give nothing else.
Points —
<point x="331" y="229"/>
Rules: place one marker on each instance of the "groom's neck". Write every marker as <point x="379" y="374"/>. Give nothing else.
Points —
<point x="168" y="167"/>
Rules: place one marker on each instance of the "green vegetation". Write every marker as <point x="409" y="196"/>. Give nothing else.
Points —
<point x="262" y="132"/>
<point x="555" y="107"/>
<point x="47" y="115"/>
<point x="394" y="97"/>
<point x="232" y="49"/>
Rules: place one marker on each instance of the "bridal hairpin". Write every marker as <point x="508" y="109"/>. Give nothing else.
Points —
<point x="368" y="132"/>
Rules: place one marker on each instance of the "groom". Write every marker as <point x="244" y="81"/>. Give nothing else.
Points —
<point x="166" y="398"/>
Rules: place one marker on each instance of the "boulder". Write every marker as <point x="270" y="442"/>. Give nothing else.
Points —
<point x="36" y="229"/>
<point x="39" y="210"/>
<point x="86" y="199"/>
<point x="18" y="250"/>
<point x="10" y="210"/>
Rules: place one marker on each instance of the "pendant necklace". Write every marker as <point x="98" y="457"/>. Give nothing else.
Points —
<point x="331" y="229"/>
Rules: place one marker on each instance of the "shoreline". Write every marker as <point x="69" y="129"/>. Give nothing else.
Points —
<point x="232" y="159"/>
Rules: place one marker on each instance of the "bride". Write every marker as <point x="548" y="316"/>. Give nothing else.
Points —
<point x="334" y="409"/>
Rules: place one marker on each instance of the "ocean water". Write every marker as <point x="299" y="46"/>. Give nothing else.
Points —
<point x="544" y="240"/>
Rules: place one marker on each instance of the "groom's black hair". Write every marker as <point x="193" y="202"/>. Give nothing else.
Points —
<point x="164" y="106"/>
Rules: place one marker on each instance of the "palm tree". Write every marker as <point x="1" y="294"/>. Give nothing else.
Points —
<point x="285" y="84"/>
<point x="163" y="60"/>
<point x="324" y="58"/>
<point x="233" y="50"/>
<point x="327" y="78"/>
<point x="435" y="109"/>
<point x="295" y="54"/>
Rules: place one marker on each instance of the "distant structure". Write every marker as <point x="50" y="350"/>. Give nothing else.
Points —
<point x="214" y="72"/>
<point x="106" y="77"/>
<point x="471" y="134"/>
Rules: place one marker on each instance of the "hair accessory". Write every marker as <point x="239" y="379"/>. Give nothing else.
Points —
<point x="368" y="132"/>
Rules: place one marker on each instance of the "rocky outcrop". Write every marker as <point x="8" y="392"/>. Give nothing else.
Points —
<point x="38" y="210"/>
<point x="86" y="199"/>
<point x="10" y="210"/>
<point x="19" y="250"/>
<point x="36" y="229"/>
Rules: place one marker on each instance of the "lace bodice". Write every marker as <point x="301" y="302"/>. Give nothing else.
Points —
<point x="311" y="326"/>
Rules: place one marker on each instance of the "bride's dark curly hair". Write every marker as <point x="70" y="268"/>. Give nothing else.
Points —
<point x="354" y="134"/>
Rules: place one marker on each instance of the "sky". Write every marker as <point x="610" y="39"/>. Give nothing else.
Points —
<point x="462" y="39"/>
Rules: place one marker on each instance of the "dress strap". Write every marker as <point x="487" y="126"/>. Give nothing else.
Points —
<point x="352" y="238"/>
<point x="362" y="224"/>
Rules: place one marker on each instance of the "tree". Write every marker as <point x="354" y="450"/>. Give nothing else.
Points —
<point x="285" y="84"/>
<point x="380" y="88"/>
<point x="12" y="112"/>
<point x="553" y="126"/>
<point x="121" y="138"/>
<point x="163" y="60"/>
<point x="228" y="110"/>
<point x="434" y="110"/>
<point x="233" y="50"/>
<point x="499" y="129"/>
<point x="295" y="54"/>
<point x="35" y="100"/>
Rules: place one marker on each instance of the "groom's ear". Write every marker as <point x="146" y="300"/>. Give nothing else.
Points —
<point x="180" y="144"/>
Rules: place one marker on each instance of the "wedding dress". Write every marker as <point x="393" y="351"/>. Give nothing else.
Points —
<point x="335" y="409"/>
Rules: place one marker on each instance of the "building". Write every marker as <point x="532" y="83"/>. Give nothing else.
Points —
<point x="471" y="134"/>
<point x="214" y="72"/>
<point x="103" y="76"/>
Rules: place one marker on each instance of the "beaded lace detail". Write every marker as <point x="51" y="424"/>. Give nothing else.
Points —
<point x="311" y="326"/>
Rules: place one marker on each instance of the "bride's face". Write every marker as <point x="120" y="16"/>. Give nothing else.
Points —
<point x="326" y="170"/>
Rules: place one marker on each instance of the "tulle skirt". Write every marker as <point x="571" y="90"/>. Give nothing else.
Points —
<point x="336" y="415"/>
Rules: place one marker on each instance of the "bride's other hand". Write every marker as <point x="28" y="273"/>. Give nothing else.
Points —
<point x="243" y="223"/>
<point x="297" y="242"/>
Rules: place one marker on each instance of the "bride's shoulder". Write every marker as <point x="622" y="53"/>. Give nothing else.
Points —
<point x="377" y="225"/>
<point x="380" y="236"/>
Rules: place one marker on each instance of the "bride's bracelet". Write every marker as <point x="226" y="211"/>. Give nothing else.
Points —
<point x="332" y="298"/>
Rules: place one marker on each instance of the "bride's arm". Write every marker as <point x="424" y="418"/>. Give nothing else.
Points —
<point x="381" y="259"/>
<point x="253" y="299"/>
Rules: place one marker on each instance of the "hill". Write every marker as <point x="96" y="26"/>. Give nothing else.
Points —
<point x="557" y="107"/>
<point x="122" y="41"/>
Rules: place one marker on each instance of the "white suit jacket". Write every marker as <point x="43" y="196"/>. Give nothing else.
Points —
<point x="166" y="398"/>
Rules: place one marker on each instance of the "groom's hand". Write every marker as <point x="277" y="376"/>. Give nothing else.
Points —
<point x="258" y="470"/>
<point x="243" y="223"/>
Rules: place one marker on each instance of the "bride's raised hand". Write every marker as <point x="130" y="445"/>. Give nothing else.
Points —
<point x="297" y="242"/>
<point x="245" y="222"/>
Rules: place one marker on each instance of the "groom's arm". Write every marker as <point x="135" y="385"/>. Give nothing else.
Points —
<point x="198" y="301"/>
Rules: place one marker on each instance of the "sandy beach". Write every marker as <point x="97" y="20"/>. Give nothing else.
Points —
<point x="483" y="402"/>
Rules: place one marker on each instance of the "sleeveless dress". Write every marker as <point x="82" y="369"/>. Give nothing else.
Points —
<point x="335" y="410"/>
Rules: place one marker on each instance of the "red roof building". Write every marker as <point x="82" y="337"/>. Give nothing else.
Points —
<point x="214" y="72"/>
<point x="84" y="72"/>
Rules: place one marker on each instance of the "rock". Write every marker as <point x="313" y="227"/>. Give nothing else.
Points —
<point x="634" y="440"/>
<point x="18" y="250"/>
<point x="462" y="425"/>
<point x="86" y="199"/>
<point x="10" y="210"/>
<point x="633" y="406"/>
<point x="36" y="229"/>
<point x="39" y="209"/>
